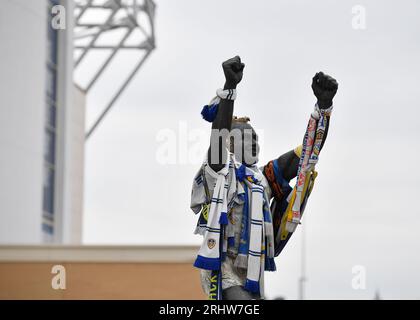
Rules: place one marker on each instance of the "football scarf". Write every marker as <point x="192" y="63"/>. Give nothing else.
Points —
<point x="310" y="152"/>
<point x="213" y="246"/>
<point x="256" y="248"/>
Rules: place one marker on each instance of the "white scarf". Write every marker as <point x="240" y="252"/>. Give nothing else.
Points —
<point x="255" y="238"/>
<point x="209" y="255"/>
<point x="217" y="230"/>
<point x="259" y="241"/>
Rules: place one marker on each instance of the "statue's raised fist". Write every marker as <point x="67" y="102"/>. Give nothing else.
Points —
<point x="233" y="69"/>
<point x="324" y="88"/>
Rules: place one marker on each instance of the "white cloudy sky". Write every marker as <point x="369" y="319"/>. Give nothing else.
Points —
<point x="363" y="210"/>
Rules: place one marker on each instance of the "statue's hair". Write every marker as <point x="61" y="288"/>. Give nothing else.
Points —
<point x="241" y="119"/>
<point x="239" y="123"/>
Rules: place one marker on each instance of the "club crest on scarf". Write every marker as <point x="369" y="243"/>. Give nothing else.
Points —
<point x="211" y="243"/>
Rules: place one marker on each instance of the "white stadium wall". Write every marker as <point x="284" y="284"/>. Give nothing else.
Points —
<point x="23" y="35"/>
<point x="25" y="131"/>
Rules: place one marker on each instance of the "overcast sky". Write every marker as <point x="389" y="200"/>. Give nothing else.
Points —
<point x="363" y="209"/>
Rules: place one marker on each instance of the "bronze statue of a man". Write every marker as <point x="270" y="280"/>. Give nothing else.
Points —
<point x="248" y="213"/>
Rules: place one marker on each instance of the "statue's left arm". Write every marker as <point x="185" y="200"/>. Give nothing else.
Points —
<point x="324" y="88"/>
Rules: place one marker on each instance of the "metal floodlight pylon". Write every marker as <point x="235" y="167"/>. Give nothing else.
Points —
<point x="128" y="20"/>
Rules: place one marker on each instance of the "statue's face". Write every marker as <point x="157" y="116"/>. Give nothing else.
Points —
<point x="244" y="143"/>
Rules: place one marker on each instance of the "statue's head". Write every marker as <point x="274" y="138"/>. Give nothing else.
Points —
<point x="244" y="141"/>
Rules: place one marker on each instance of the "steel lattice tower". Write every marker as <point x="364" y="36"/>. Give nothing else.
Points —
<point x="94" y="19"/>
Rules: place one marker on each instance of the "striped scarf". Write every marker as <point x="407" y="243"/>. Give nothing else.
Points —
<point x="256" y="248"/>
<point x="311" y="146"/>
<point x="214" y="244"/>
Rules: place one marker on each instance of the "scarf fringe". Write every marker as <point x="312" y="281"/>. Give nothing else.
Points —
<point x="199" y="230"/>
<point x="270" y="264"/>
<point x="209" y="112"/>
<point x="223" y="220"/>
<point x="252" y="286"/>
<point x="207" y="263"/>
